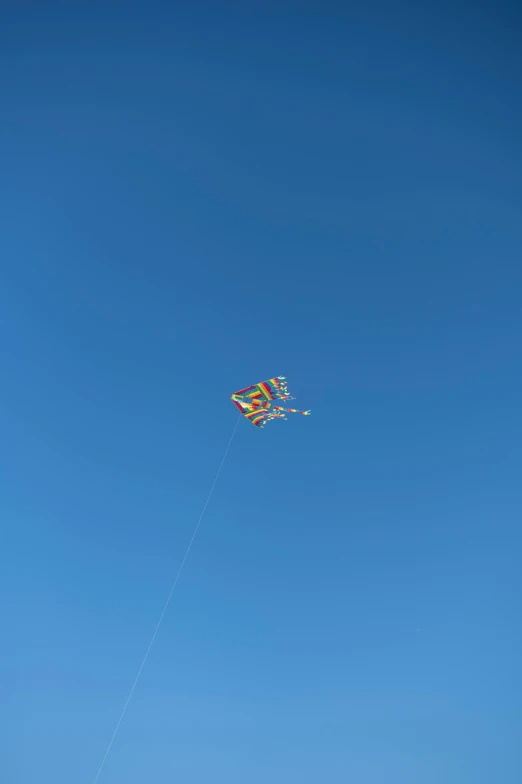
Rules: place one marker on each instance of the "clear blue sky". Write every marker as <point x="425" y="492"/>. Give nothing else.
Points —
<point x="194" y="197"/>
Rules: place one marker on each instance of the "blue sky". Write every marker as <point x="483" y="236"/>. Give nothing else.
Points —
<point x="197" y="196"/>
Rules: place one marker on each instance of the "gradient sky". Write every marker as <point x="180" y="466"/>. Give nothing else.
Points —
<point x="196" y="196"/>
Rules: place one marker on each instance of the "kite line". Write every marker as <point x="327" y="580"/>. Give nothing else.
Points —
<point x="144" y="660"/>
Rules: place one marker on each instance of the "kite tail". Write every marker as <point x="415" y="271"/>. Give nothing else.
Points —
<point x="292" y="410"/>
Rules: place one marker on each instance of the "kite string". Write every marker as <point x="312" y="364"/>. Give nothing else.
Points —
<point x="144" y="660"/>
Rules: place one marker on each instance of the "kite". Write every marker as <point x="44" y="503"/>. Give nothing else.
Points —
<point x="255" y="402"/>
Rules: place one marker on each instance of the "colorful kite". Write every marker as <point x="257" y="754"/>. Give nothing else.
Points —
<point x="256" y="402"/>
